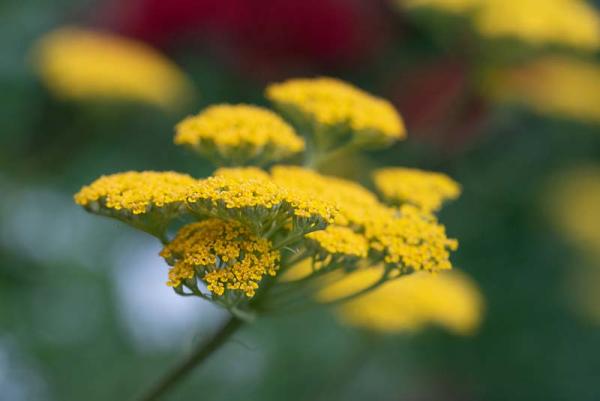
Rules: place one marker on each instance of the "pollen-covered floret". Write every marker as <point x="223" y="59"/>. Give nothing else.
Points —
<point x="237" y="134"/>
<point x="424" y="189"/>
<point x="338" y="240"/>
<point x="332" y="102"/>
<point x="135" y="192"/>
<point x="81" y="64"/>
<point x="259" y="202"/>
<point x="225" y="255"/>
<point x="410" y="238"/>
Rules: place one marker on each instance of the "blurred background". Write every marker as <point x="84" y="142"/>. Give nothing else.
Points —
<point x="503" y="96"/>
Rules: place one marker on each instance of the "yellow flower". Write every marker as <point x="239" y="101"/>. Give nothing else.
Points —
<point x="408" y="238"/>
<point x="424" y="189"/>
<point x="337" y="240"/>
<point x="450" y="299"/>
<point x="445" y="5"/>
<point x="573" y="201"/>
<point x="572" y="23"/>
<point x="354" y="202"/>
<point x="332" y="103"/>
<point x="225" y="255"/>
<point x="554" y="85"/>
<point x="242" y="173"/>
<point x="259" y="203"/>
<point x="239" y="134"/>
<point x="135" y="192"/>
<point x="568" y="22"/>
<point x="80" y="64"/>
<point x="411" y="239"/>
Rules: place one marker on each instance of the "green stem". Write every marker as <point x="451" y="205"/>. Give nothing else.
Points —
<point x="203" y="351"/>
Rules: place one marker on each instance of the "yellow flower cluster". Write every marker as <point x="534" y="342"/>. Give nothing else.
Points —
<point x="80" y="64"/>
<point x="424" y="189"/>
<point x="338" y="240"/>
<point x="450" y="299"/>
<point x="411" y="238"/>
<point x="238" y="134"/>
<point x="559" y="86"/>
<point x="258" y="202"/>
<point x="331" y="102"/>
<point x="568" y="22"/>
<point x="135" y="192"/>
<point x="223" y="254"/>
<point x="354" y="202"/>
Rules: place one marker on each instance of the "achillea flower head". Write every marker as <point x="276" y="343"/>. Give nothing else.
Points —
<point x="242" y="173"/>
<point x="259" y="203"/>
<point x="573" y="23"/>
<point x="225" y="255"/>
<point x="407" y="304"/>
<point x="410" y="239"/>
<point x="424" y="189"/>
<point x="333" y="104"/>
<point x="553" y="85"/>
<point x="342" y="241"/>
<point x="81" y="64"/>
<point x="354" y="202"/>
<point x="239" y="134"/>
<point x="407" y="238"/>
<point x="148" y="200"/>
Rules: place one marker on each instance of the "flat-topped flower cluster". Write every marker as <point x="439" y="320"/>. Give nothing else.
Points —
<point x="229" y="237"/>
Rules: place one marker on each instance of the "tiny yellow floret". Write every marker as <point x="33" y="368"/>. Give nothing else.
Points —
<point x="332" y="102"/>
<point x="81" y="64"/>
<point x="424" y="189"/>
<point x="239" y="134"/>
<point x="225" y="255"/>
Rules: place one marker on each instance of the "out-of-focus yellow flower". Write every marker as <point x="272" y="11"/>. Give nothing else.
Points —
<point x="224" y="254"/>
<point x="334" y="104"/>
<point x="238" y="134"/>
<point x="568" y="22"/>
<point x="81" y="64"/>
<point x="555" y="85"/>
<point x="574" y="205"/>
<point x="572" y="23"/>
<point x="445" y="5"/>
<point x="450" y="299"/>
<point x="424" y="189"/>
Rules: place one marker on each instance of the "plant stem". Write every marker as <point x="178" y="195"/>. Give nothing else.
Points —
<point x="204" y="350"/>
